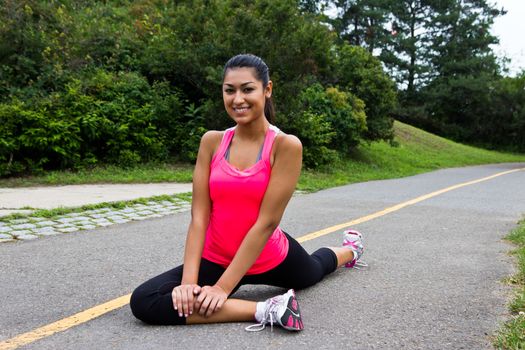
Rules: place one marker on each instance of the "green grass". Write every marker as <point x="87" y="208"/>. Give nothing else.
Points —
<point x="51" y="213"/>
<point x="512" y="333"/>
<point x="417" y="151"/>
<point x="147" y="173"/>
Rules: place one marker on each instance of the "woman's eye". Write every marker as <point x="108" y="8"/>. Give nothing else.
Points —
<point x="248" y="89"/>
<point x="228" y="91"/>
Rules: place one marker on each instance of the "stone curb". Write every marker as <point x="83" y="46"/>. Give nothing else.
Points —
<point x="33" y="227"/>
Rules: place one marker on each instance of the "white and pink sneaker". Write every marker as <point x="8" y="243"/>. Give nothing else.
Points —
<point x="282" y="310"/>
<point x="353" y="240"/>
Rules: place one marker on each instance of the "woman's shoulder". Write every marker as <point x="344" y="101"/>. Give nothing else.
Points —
<point x="211" y="141"/>
<point x="287" y="147"/>
<point x="287" y="141"/>
<point x="212" y="137"/>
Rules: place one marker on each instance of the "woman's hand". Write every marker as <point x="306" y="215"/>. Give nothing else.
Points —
<point x="183" y="298"/>
<point x="210" y="300"/>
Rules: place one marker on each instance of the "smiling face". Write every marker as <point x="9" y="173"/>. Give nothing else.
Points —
<point x="244" y="95"/>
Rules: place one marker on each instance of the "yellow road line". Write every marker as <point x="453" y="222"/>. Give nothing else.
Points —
<point x="397" y="207"/>
<point x="64" y="323"/>
<point x="111" y="305"/>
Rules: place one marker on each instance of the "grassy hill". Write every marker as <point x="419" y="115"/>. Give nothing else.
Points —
<point x="416" y="151"/>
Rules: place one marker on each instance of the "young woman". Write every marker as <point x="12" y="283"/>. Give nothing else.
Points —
<point x="243" y="180"/>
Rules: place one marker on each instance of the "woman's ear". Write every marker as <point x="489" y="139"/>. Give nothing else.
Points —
<point x="268" y="89"/>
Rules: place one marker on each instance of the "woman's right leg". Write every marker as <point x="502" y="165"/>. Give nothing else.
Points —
<point x="152" y="302"/>
<point x="233" y="310"/>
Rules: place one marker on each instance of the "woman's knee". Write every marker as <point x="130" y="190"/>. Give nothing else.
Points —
<point x="139" y="305"/>
<point x="154" y="308"/>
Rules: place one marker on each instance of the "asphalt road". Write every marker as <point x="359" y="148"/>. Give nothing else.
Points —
<point x="434" y="280"/>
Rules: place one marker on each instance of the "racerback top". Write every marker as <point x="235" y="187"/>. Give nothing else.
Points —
<point x="236" y="197"/>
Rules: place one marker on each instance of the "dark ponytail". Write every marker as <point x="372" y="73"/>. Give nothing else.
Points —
<point x="269" y="110"/>
<point x="262" y="73"/>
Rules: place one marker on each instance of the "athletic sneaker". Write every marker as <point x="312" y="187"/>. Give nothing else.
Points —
<point x="354" y="240"/>
<point x="283" y="310"/>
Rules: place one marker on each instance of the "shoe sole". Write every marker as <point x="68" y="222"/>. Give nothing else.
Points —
<point x="291" y="319"/>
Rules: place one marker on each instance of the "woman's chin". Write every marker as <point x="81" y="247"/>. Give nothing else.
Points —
<point x="244" y="118"/>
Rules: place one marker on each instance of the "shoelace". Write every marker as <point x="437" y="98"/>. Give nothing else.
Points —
<point x="267" y="318"/>
<point x="359" y="264"/>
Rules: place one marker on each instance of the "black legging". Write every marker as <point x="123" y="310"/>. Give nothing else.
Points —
<point x="152" y="303"/>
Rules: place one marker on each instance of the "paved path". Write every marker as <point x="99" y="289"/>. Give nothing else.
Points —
<point x="433" y="281"/>
<point x="49" y="197"/>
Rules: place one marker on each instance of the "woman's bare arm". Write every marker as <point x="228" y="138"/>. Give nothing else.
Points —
<point x="200" y="208"/>
<point x="183" y="295"/>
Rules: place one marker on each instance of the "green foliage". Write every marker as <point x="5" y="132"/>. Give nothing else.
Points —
<point x="123" y="82"/>
<point x="440" y="54"/>
<point x="199" y="37"/>
<point x="405" y="50"/>
<point x="342" y="110"/>
<point x="32" y="46"/>
<point x="180" y="123"/>
<point x="361" y="74"/>
<point x="103" y="117"/>
<point x="193" y="130"/>
<point x="512" y="334"/>
<point x="332" y="123"/>
<point x="315" y="134"/>
<point x="504" y="117"/>
<point x="464" y="69"/>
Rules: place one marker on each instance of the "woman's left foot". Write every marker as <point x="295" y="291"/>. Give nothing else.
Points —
<point x="354" y="241"/>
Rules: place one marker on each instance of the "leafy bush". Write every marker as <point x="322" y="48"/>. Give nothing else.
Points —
<point x="126" y="81"/>
<point x="342" y="110"/>
<point x="105" y="117"/>
<point x="315" y="134"/>
<point x="358" y="72"/>
<point x="198" y="37"/>
<point x="34" y="138"/>
<point x="503" y="123"/>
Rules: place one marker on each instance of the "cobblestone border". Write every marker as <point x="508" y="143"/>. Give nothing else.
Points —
<point x="33" y="227"/>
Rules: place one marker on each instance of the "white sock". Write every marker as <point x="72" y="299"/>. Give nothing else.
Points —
<point x="259" y="313"/>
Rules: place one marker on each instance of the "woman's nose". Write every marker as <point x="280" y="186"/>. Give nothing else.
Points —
<point x="238" y="98"/>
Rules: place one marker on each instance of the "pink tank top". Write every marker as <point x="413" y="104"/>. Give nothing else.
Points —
<point x="236" y="200"/>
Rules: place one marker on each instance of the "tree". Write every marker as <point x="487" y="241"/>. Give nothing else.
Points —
<point x="362" y="74"/>
<point x="32" y="45"/>
<point x="312" y="6"/>
<point x="362" y="22"/>
<point x="405" y="52"/>
<point x="464" y="67"/>
<point x="504" y="118"/>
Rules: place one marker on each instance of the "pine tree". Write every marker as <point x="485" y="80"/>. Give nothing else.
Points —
<point x="464" y="67"/>
<point x="362" y="22"/>
<point x="405" y="53"/>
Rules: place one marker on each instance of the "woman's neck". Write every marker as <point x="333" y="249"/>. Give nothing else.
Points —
<point x="252" y="131"/>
